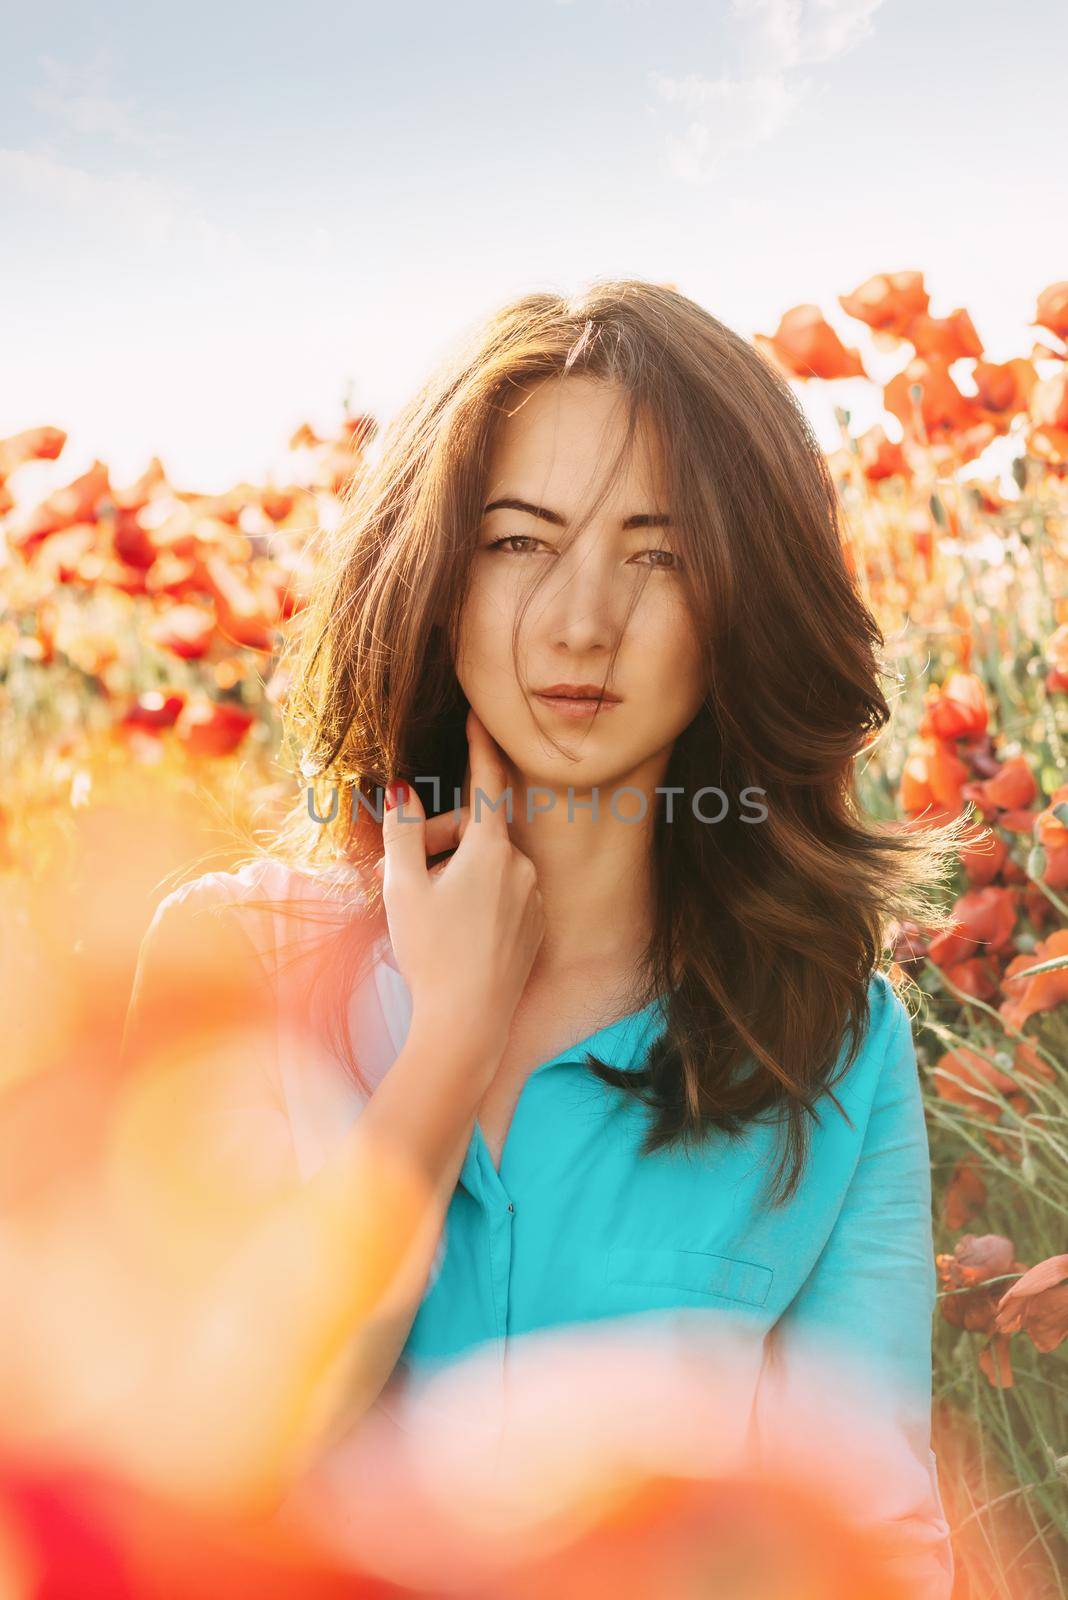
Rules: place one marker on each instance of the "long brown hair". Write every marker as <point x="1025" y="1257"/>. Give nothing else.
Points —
<point x="765" y="937"/>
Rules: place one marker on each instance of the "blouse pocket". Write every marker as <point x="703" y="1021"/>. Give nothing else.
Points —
<point x="704" y="1273"/>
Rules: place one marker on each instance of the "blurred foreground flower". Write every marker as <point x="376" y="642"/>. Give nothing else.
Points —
<point x="624" y="1459"/>
<point x="180" y="1315"/>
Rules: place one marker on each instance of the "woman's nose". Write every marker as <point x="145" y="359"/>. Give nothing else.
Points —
<point x="580" y="605"/>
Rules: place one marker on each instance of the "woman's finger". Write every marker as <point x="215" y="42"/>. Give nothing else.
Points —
<point x="488" y="802"/>
<point x="404" y="834"/>
<point x="443" y="832"/>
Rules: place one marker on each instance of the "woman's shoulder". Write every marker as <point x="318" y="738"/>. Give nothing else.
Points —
<point x="273" y="900"/>
<point x="269" y="877"/>
<point x="888" y="1009"/>
<point x="891" y="1024"/>
<point x="886" y="1059"/>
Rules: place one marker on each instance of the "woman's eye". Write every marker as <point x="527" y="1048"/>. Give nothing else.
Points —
<point x="669" y="564"/>
<point x="514" y="538"/>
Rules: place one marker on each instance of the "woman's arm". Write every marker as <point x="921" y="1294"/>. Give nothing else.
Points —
<point x="304" y="1326"/>
<point x="854" y="1348"/>
<point x="203" y="1008"/>
<point x="320" y="1281"/>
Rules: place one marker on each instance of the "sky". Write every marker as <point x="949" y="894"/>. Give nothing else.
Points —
<point x="221" y="220"/>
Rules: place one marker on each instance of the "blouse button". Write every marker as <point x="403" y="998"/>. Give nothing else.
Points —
<point x="511" y="1207"/>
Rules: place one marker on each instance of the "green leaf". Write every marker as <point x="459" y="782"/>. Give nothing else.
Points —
<point x="1036" y="862"/>
<point x="1043" y="966"/>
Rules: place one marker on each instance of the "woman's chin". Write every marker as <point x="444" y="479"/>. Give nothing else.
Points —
<point x="584" y="779"/>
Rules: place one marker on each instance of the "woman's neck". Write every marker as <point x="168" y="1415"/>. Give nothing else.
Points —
<point x="594" y="873"/>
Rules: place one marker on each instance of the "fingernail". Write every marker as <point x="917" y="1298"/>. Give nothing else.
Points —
<point x="396" y="793"/>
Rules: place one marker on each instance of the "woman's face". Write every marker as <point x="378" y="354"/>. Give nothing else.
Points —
<point x="551" y="453"/>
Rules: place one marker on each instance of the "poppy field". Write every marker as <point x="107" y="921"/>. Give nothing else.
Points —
<point x="967" y="575"/>
<point x="142" y="628"/>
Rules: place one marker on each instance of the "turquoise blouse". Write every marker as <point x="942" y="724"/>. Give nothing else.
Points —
<point x="578" y="1225"/>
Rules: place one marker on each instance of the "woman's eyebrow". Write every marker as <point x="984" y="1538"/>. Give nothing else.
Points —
<point x="642" y="519"/>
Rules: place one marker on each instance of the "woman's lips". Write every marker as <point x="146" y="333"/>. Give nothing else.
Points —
<point x="568" y="707"/>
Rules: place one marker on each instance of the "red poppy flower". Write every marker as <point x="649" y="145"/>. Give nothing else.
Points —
<point x="970" y="1300"/>
<point x="942" y="408"/>
<point x="1037" y="1304"/>
<point x="966" y="1078"/>
<point x="975" y="977"/>
<point x="1012" y="788"/>
<point x="33" y="444"/>
<point x="806" y="346"/>
<point x="1057" y="655"/>
<point x="888" y="302"/>
<point x="983" y="857"/>
<point x="1026" y="996"/>
<point x="1004" y="387"/>
<point x="212" y="728"/>
<point x="185" y="630"/>
<point x="953" y="338"/>
<point x="956" y="710"/>
<point x="965" y="1194"/>
<point x="881" y="457"/>
<point x="1052" y="309"/>
<point x="155" y="710"/>
<point x="934" y="780"/>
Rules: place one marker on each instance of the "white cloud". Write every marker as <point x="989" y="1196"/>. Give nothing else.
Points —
<point x="77" y="98"/>
<point x="86" y="200"/>
<point x="794" y="33"/>
<point x="116" y="207"/>
<point x="736" y="112"/>
<point x="725" y="114"/>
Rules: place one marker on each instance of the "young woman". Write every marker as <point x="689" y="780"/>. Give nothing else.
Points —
<point x="609" y="970"/>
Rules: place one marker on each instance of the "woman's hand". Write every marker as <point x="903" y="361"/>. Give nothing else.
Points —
<point x="465" y="934"/>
